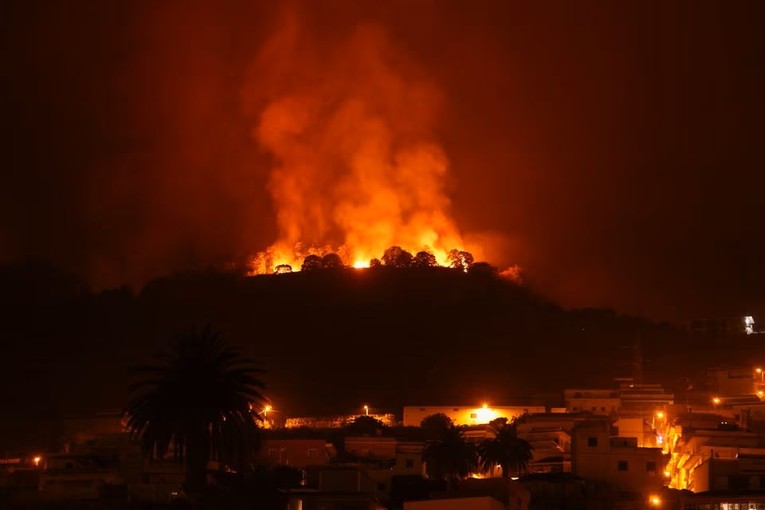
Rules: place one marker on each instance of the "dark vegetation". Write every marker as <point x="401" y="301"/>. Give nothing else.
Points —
<point x="330" y="340"/>
<point x="197" y="401"/>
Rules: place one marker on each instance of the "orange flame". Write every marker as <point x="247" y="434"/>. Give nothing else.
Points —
<point x="358" y="167"/>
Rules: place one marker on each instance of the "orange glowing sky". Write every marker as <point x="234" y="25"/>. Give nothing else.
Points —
<point x="613" y="151"/>
<point x="358" y="166"/>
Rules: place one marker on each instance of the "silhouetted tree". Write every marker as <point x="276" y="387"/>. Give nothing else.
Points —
<point x="505" y="449"/>
<point x="198" y="398"/>
<point x="311" y="263"/>
<point x="483" y="268"/>
<point x="424" y="259"/>
<point x="364" y="426"/>
<point x="395" y="256"/>
<point x="375" y="263"/>
<point x="331" y="261"/>
<point x="461" y="260"/>
<point x="436" y="426"/>
<point x="283" y="268"/>
<point x="451" y="458"/>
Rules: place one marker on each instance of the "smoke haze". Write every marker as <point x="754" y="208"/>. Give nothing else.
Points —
<point x="351" y="125"/>
<point x="612" y="151"/>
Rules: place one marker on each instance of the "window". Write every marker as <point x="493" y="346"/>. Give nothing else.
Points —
<point x="313" y="452"/>
<point x="602" y="408"/>
<point x="592" y="442"/>
<point x="474" y="415"/>
<point x="272" y="452"/>
<point x="575" y="408"/>
<point x="622" y="465"/>
<point x="455" y="409"/>
<point x="409" y="463"/>
<point x="650" y="467"/>
<point x="380" y="486"/>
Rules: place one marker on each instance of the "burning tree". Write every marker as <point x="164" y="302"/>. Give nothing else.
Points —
<point x="331" y="261"/>
<point x="311" y="263"/>
<point x="424" y="259"/>
<point x="459" y="259"/>
<point x="395" y="256"/>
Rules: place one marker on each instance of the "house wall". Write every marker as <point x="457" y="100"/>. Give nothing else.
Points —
<point x="598" y="457"/>
<point x="375" y="447"/>
<point x="477" y="503"/>
<point x="294" y="452"/>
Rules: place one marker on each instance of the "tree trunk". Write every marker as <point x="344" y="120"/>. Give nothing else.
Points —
<point x="197" y="455"/>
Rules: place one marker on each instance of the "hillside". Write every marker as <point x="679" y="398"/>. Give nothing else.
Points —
<point x="329" y="340"/>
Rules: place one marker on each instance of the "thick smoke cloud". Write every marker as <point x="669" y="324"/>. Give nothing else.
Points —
<point x="613" y="151"/>
<point x="351" y="126"/>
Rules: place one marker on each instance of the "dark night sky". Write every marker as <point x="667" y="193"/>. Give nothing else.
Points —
<point x="612" y="149"/>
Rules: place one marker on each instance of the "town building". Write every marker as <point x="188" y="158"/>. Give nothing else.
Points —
<point x="599" y="454"/>
<point x="297" y="453"/>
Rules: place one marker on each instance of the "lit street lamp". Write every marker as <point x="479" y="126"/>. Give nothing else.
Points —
<point x="366" y="410"/>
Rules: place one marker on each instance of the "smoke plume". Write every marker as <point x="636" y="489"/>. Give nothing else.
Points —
<point x="350" y="126"/>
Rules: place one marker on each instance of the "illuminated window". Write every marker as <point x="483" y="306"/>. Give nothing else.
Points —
<point x="622" y="465"/>
<point x="592" y="442"/>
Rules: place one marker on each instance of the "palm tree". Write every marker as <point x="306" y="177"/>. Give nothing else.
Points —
<point x="451" y="457"/>
<point x="505" y="449"/>
<point x="198" y="399"/>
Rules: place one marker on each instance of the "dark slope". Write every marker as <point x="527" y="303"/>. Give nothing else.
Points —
<point x="330" y="340"/>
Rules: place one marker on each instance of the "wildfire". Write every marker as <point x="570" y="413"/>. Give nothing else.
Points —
<point x="357" y="165"/>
